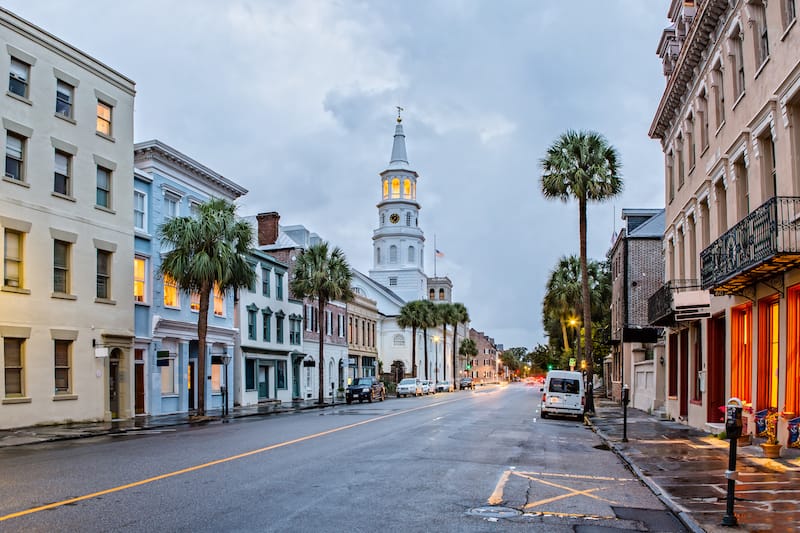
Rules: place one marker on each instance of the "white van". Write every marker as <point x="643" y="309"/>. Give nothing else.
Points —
<point x="563" y="394"/>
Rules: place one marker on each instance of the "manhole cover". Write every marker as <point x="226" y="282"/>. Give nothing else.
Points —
<point x="494" y="512"/>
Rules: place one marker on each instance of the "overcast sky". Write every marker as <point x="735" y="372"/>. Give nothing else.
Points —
<point x="296" y="102"/>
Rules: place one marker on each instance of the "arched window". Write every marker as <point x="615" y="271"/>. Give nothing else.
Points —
<point x="393" y="254"/>
<point x="441" y="294"/>
<point x="431" y="294"/>
<point x="412" y="255"/>
<point x="399" y="340"/>
<point x="378" y="256"/>
<point x="395" y="188"/>
<point x="407" y="188"/>
<point x="408" y="219"/>
<point x="385" y="189"/>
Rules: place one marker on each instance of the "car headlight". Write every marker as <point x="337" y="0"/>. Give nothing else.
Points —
<point x="365" y="390"/>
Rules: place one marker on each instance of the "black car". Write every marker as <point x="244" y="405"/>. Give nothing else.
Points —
<point x="367" y="388"/>
<point x="466" y="383"/>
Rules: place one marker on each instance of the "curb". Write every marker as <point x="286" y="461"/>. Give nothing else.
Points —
<point x="654" y="487"/>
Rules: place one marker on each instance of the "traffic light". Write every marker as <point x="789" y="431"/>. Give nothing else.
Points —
<point x="469" y="365"/>
<point x="549" y="367"/>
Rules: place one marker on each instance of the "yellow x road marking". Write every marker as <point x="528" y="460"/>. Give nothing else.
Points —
<point x="497" y="495"/>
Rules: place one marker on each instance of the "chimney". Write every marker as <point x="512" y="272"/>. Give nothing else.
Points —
<point x="267" y="227"/>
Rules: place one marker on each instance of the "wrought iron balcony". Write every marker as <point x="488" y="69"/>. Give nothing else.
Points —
<point x="676" y="301"/>
<point x="764" y="243"/>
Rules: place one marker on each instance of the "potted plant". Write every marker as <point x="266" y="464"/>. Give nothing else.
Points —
<point x="771" y="447"/>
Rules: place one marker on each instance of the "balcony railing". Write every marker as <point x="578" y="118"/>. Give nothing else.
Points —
<point x="677" y="300"/>
<point x="763" y="243"/>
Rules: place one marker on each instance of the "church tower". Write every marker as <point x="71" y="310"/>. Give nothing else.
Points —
<point x="398" y="242"/>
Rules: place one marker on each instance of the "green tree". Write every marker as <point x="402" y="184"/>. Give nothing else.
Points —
<point x="582" y="166"/>
<point x="412" y="315"/>
<point x="513" y="358"/>
<point x="324" y="275"/>
<point x="429" y="320"/>
<point x="459" y="315"/>
<point x="468" y="349"/>
<point x="562" y="298"/>
<point x="444" y="316"/>
<point x="207" y="251"/>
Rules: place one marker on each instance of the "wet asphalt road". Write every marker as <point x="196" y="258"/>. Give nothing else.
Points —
<point x="464" y="461"/>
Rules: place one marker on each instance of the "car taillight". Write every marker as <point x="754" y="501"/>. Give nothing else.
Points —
<point x="544" y="397"/>
<point x="583" y="401"/>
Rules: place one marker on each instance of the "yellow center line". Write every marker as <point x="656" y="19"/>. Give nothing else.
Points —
<point x="213" y="463"/>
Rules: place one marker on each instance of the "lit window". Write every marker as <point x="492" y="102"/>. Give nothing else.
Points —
<point x="103" y="187"/>
<point x="103" y="118"/>
<point x="61" y="365"/>
<point x="216" y="375"/>
<point x="385" y="188"/>
<point x="407" y="188"/>
<point x="171" y="294"/>
<point x="139" y="279"/>
<point x="61" y="173"/>
<point x="219" y="301"/>
<point x="61" y="274"/>
<point x="140" y="211"/>
<point x="103" y="274"/>
<point x="194" y="303"/>
<point x="15" y="156"/>
<point x="64" y="92"/>
<point x="13" y="362"/>
<point x="18" y="77"/>
<point x="395" y="188"/>
<point x="12" y="268"/>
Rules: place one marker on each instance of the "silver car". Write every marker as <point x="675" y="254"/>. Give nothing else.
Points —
<point x="409" y="387"/>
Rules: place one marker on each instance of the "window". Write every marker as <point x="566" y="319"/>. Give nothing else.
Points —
<point x="170" y="206"/>
<point x="194" y="209"/>
<point x="251" y="324"/>
<point x="64" y="98"/>
<point x="679" y="159"/>
<point x="769" y="175"/>
<point x="722" y="206"/>
<point x="219" y="301"/>
<point x="412" y="256"/>
<point x="789" y="12"/>
<point x="103" y="187"/>
<point x="393" y="282"/>
<point x="12" y="254"/>
<point x="103" y="118"/>
<point x="15" y="156"/>
<point x="737" y="60"/>
<point x="703" y="115"/>
<point x="408" y="219"/>
<point x="671" y="176"/>
<point x="194" y="301"/>
<point x="385" y="190"/>
<point x="308" y="310"/>
<point x="13" y="362"/>
<point x="768" y="347"/>
<point x="265" y="281"/>
<point x="793" y="351"/>
<point x="250" y="374"/>
<point x="103" y="274"/>
<point x="139" y="279"/>
<point x="280" y="374"/>
<point x="18" y="77"/>
<point x="395" y="188"/>
<point x="140" y="211"/>
<point x="328" y="323"/>
<point x="761" y="35"/>
<point x="431" y="294"/>
<point x="393" y="254"/>
<point x="279" y="286"/>
<point x="279" y="328"/>
<point x="266" y="328"/>
<point x="719" y="93"/>
<point x="399" y="340"/>
<point x="742" y="187"/>
<point x="62" y="170"/>
<point x="216" y="378"/>
<point x="741" y="352"/>
<point x="61" y="267"/>
<point x="407" y="188"/>
<point x="294" y="330"/>
<point x="169" y="375"/>
<point x="171" y="293"/>
<point x="690" y="142"/>
<point x="61" y="366"/>
<point x="441" y="294"/>
<point x="377" y="256"/>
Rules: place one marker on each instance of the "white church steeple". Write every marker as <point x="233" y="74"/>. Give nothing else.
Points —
<point x="398" y="242"/>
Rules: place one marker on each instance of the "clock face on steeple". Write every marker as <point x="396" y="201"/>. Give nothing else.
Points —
<point x="394" y="218"/>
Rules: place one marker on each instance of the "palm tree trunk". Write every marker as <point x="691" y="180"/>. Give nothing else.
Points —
<point x="455" y="336"/>
<point x="320" y="314"/>
<point x="425" y="343"/>
<point x="444" y="350"/>
<point x="587" y="308"/>
<point x="564" y="333"/>
<point x="413" y="351"/>
<point x="201" y="374"/>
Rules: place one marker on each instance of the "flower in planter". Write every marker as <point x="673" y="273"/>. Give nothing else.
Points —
<point x="770" y="427"/>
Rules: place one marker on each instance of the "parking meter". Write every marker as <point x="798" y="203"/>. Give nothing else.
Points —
<point x="626" y="395"/>
<point x="626" y="398"/>
<point x="733" y="418"/>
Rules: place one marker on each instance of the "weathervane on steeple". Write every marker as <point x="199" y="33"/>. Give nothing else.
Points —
<point x="399" y="110"/>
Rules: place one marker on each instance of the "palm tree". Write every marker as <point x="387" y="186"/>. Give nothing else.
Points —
<point x="562" y="297"/>
<point x="412" y="315"/>
<point x="207" y="251"/>
<point x="444" y="314"/>
<point x="429" y="320"/>
<point x="585" y="167"/>
<point x="324" y="275"/>
<point x="468" y="348"/>
<point x="458" y="315"/>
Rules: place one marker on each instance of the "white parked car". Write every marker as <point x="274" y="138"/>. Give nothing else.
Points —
<point x="409" y="387"/>
<point x="444" y="386"/>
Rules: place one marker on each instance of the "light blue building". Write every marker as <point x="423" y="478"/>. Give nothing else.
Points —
<point x="169" y="184"/>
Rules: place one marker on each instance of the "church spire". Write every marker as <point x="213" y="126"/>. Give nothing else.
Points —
<point x="399" y="160"/>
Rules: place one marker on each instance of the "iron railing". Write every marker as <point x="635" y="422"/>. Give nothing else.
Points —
<point x="660" y="306"/>
<point x="772" y="229"/>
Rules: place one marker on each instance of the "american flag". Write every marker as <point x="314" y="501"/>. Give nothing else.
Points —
<point x="439" y="253"/>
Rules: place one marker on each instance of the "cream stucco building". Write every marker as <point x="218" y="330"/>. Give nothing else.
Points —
<point x="66" y="217"/>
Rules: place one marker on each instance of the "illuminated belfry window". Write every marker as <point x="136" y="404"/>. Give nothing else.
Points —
<point x="407" y="188"/>
<point x="395" y="188"/>
<point x="385" y="189"/>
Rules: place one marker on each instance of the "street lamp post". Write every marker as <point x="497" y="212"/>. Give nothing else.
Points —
<point x="436" y="352"/>
<point x="225" y="360"/>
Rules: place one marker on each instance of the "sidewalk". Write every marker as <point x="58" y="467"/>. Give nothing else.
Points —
<point x="38" y="434"/>
<point x="685" y="468"/>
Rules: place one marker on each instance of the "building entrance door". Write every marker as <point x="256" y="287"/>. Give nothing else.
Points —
<point x="263" y="382"/>
<point x="139" y="407"/>
<point x="113" y="387"/>
<point x="715" y="377"/>
<point x="190" y="381"/>
<point x="296" y="378"/>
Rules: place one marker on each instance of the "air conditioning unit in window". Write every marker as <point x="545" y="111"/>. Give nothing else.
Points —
<point x="18" y="78"/>
<point x="11" y="176"/>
